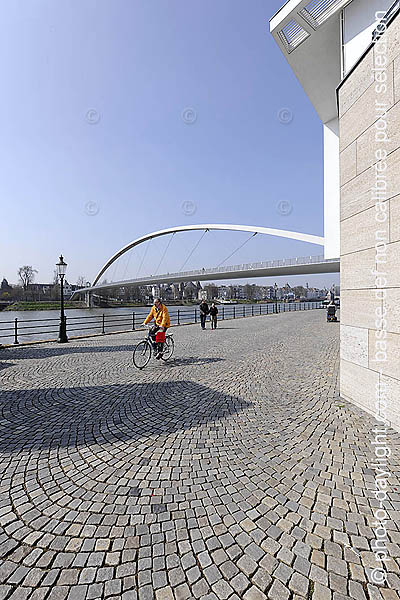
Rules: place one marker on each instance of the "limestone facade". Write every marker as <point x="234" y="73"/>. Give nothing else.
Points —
<point x="369" y="130"/>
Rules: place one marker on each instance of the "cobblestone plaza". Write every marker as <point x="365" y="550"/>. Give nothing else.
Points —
<point x="234" y="471"/>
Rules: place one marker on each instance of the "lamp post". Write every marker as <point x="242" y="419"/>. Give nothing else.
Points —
<point x="276" y="297"/>
<point x="61" y="269"/>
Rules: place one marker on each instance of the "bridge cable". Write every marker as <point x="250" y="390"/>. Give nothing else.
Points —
<point x="127" y="263"/>
<point x="239" y="247"/>
<point x="164" y="253"/>
<point x="197" y="243"/>
<point x="114" y="272"/>
<point x="143" y="257"/>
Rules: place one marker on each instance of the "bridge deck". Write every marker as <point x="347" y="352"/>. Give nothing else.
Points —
<point x="285" y="267"/>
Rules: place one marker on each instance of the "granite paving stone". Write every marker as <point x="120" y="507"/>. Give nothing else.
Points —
<point x="234" y="471"/>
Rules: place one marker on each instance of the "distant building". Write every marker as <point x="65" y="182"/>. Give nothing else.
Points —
<point x="269" y="293"/>
<point x="69" y="289"/>
<point x="176" y="291"/>
<point x="5" y="287"/>
<point x="312" y="294"/>
<point x="156" y="292"/>
<point x="168" y="293"/>
<point x="190" y="292"/>
<point x="238" y="292"/>
<point x="224" y="292"/>
<point x="40" y="291"/>
<point x="289" y="296"/>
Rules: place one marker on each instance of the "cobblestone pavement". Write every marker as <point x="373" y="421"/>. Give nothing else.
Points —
<point x="234" y="471"/>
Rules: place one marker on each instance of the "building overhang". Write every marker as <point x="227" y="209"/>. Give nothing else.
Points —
<point x="309" y="35"/>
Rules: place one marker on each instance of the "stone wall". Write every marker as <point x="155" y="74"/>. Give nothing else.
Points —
<point x="369" y="130"/>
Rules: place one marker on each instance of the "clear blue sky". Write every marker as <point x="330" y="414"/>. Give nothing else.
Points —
<point x="138" y="65"/>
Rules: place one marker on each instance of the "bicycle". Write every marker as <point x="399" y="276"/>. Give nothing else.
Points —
<point x="147" y="347"/>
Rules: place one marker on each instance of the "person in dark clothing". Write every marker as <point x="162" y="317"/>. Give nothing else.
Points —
<point x="213" y="314"/>
<point x="204" y="310"/>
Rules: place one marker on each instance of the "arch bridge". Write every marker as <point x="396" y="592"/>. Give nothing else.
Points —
<point x="296" y="266"/>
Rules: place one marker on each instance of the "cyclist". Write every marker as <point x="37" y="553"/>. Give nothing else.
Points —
<point x="159" y="313"/>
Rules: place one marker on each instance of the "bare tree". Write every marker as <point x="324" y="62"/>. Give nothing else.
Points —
<point x="81" y="281"/>
<point x="250" y="291"/>
<point x="55" y="290"/>
<point x="212" y="291"/>
<point x="26" y="275"/>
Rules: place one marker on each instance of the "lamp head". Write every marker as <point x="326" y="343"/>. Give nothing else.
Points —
<point x="61" y="267"/>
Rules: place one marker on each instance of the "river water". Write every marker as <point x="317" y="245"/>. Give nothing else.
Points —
<point x="43" y="325"/>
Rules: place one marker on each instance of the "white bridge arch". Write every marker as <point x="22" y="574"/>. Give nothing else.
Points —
<point x="293" y="235"/>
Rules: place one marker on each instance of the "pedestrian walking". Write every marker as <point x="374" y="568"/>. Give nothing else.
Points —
<point x="214" y="315"/>
<point x="204" y="310"/>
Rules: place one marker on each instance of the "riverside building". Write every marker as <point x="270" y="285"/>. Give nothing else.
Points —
<point x="346" y="55"/>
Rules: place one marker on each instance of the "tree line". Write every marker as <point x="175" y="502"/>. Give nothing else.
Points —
<point x="26" y="288"/>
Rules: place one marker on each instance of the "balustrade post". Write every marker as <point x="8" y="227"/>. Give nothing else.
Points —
<point x="195" y="315"/>
<point x="103" y="323"/>
<point x="252" y="310"/>
<point x="234" y="312"/>
<point x="223" y="313"/>
<point x="133" y="321"/>
<point x="244" y="310"/>
<point x="178" y="318"/>
<point x="16" y="332"/>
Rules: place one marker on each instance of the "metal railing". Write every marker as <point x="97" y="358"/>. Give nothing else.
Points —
<point x="25" y="330"/>
<point x="284" y="262"/>
<point x="201" y="273"/>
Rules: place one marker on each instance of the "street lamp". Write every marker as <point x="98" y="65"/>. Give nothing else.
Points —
<point x="276" y="298"/>
<point x="61" y="269"/>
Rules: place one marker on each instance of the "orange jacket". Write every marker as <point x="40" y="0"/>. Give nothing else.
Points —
<point x="161" y="316"/>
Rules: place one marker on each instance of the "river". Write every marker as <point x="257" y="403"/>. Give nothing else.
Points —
<point x="43" y="325"/>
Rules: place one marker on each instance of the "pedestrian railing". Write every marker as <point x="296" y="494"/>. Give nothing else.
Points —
<point x="284" y="262"/>
<point x="24" y="330"/>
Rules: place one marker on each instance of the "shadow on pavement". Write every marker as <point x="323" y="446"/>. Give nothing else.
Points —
<point x="33" y="352"/>
<point x="33" y="419"/>
<point x="192" y="360"/>
<point x="4" y="365"/>
<point x="222" y="328"/>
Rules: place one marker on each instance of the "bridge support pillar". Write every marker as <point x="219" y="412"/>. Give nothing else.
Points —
<point x="89" y="300"/>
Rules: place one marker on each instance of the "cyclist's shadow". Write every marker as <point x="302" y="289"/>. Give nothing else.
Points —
<point x="192" y="360"/>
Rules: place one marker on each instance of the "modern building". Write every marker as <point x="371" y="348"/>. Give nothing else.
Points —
<point x="346" y="55"/>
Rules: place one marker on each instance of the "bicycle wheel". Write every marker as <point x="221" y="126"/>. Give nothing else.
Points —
<point x="141" y="354"/>
<point x="168" y="347"/>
